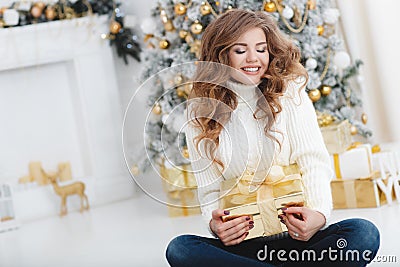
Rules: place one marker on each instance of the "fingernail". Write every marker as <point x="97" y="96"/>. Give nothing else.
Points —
<point x="247" y="218"/>
<point x="247" y="233"/>
<point x="251" y="226"/>
<point x="251" y="222"/>
<point x="284" y="209"/>
<point x="226" y="212"/>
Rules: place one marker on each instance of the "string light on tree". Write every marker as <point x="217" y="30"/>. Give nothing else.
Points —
<point x="320" y="29"/>
<point x="115" y="27"/>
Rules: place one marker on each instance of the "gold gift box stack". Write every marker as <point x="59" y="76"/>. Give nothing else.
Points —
<point x="281" y="188"/>
<point x="355" y="185"/>
<point x="181" y="188"/>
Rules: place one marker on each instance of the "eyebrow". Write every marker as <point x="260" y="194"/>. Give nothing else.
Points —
<point x="244" y="44"/>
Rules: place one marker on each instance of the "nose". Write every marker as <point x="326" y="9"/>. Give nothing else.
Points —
<point x="251" y="55"/>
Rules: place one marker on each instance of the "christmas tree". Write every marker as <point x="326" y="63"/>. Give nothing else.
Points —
<point x="173" y="36"/>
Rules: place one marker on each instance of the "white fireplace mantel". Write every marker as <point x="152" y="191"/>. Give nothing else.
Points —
<point x="60" y="102"/>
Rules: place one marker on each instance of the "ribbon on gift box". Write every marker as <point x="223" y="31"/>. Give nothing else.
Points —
<point x="281" y="181"/>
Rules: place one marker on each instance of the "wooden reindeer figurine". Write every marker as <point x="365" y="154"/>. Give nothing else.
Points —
<point x="67" y="190"/>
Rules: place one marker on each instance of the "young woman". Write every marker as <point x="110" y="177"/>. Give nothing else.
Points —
<point x="247" y="116"/>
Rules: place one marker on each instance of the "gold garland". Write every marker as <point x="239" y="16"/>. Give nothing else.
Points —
<point x="294" y="30"/>
<point x="328" y="61"/>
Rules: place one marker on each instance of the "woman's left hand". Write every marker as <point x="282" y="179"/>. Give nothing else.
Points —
<point x="303" y="229"/>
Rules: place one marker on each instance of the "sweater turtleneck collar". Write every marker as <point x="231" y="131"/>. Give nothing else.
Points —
<point x="245" y="92"/>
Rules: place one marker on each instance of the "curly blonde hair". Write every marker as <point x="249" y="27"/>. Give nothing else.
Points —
<point x="217" y="39"/>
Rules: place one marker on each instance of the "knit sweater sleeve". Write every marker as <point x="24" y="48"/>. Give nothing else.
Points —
<point x="308" y="150"/>
<point x="208" y="177"/>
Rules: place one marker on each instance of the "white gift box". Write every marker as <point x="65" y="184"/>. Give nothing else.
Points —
<point x="354" y="163"/>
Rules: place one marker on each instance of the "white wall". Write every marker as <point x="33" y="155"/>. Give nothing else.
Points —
<point x="373" y="36"/>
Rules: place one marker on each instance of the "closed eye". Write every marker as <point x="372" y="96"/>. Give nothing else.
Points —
<point x="240" y="52"/>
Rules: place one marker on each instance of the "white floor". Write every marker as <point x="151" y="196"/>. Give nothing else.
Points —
<point x="135" y="232"/>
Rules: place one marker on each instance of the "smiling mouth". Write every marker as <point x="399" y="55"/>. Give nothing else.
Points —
<point x="252" y="69"/>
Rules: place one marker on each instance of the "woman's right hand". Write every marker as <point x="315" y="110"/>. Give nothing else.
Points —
<point x="230" y="232"/>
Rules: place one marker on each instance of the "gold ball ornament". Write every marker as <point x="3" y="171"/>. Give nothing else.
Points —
<point x="169" y="26"/>
<point x="270" y="7"/>
<point x="115" y="27"/>
<point x="205" y="9"/>
<point x="314" y="95"/>
<point x="157" y="109"/>
<point x="163" y="44"/>
<point x="180" y="91"/>
<point x="50" y="13"/>
<point x="326" y="90"/>
<point x="320" y="29"/>
<point x="353" y="130"/>
<point x="311" y="4"/>
<point x="196" y="27"/>
<point x="183" y="34"/>
<point x="36" y="11"/>
<point x="185" y="152"/>
<point x="364" y="118"/>
<point x="40" y="5"/>
<point x="180" y="9"/>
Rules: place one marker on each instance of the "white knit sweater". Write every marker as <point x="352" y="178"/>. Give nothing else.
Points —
<point x="244" y="146"/>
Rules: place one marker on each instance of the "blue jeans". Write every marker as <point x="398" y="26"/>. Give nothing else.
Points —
<point x="352" y="242"/>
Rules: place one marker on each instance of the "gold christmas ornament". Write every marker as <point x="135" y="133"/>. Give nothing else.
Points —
<point x="196" y="27"/>
<point x="353" y="130"/>
<point x="40" y="5"/>
<point x="326" y="90"/>
<point x="270" y="7"/>
<point x="205" y="9"/>
<point x="364" y="118"/>
<point x="180" y="91"/>
<point x="183" y="34"/>
<point x="50" y="13"/>
<point x="180" y="9"/>
<point x="163" y="44"/>
<point x="115" y="27"/>
<point x="169" y="26"/>
<point x="320" y="29"/>
<point x="314" y="95"/>
<point x="311" y="4"/>
<point x="185" y="152"/>
<point x="36" y="11"/>
<point x="157" y="109"/>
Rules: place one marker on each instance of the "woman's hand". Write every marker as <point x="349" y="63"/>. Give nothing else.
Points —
<point x="230" y="232"/>
<point x="303" y="229"/>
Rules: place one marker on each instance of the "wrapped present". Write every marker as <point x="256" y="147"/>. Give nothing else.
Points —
<point x="337" y="136"/>
<point x="354" y="163"/>
<point x="357" y="193"/>
<point x="263" y="200"/>
<point x="181" y="188"/>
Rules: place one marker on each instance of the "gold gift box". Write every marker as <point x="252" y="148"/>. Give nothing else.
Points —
<point x="337" y="137"/>
<point x="280" y="189"/>
<point x="181" y="188"/>
<point x="183" y="203"/>
<point x="356" y="193"/>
